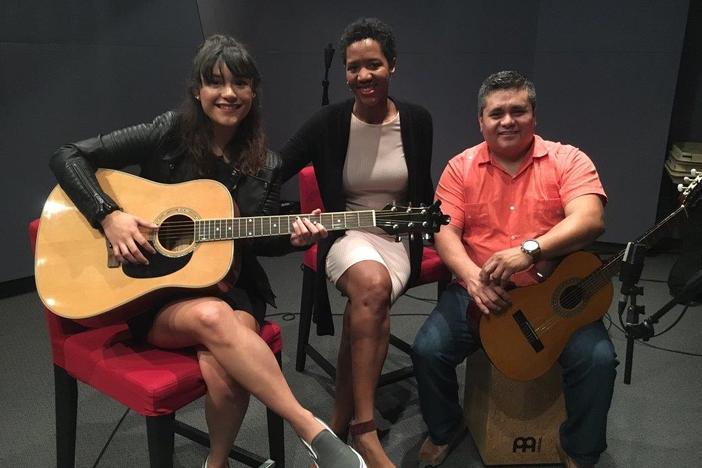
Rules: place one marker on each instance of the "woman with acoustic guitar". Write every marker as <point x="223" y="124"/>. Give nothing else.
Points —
<point x="217" y="135"/>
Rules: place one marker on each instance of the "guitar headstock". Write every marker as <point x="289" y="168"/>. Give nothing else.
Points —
<point x="396" y="220"/>
<point x="690" y="193"/>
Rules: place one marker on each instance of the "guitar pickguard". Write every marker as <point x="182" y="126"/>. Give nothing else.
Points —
<point x="159" y="265"/>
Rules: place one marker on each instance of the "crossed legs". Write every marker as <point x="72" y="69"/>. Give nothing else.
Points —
<point x="230" y="339"/>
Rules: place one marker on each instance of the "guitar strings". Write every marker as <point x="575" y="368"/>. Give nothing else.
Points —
<point x="175" y="229"/>
<point x="590" y="284"/>
<point x="584" y="290"/>
<point x="379" y="215"/>
<point x="594" y="280"/>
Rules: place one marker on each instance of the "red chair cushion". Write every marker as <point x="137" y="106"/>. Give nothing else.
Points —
<point x="310" y="198"/>
<point x="309" y="258"/>
<point x="149" y="380"/>
<point x="433" y="269"/>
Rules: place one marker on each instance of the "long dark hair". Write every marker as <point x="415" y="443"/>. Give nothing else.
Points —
<point x="248" y="147"/>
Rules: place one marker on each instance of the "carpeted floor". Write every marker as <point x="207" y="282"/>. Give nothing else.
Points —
<point x="653" y="422"/>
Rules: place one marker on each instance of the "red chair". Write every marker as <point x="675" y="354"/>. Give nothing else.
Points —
<point x="432" y="270"/>
<point x="151" y="381"/>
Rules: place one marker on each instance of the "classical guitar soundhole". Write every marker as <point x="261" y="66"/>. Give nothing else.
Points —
<point x="176" y="233"/>
<point x="571" y="297"/>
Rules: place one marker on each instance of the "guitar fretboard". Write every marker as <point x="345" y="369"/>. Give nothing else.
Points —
<point x="263" y="226"/>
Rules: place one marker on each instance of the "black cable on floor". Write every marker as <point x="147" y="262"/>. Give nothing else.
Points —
<point x="676" y="351"/>
<point x="674" y="322"/>
<point x="109" y="439"/>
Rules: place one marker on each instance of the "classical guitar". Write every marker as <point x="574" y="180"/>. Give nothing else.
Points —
<point x="525" y="339"/>
<point x="78" y="278"/>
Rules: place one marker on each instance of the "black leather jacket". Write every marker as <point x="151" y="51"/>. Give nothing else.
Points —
<point x="151" y="147"/>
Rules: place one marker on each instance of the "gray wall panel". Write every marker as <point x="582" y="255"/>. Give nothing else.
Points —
<point x="605" y="74"/>
<point x="71" y="70"/>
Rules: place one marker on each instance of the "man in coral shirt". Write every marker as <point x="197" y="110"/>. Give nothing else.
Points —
<point x="513" y="199"/>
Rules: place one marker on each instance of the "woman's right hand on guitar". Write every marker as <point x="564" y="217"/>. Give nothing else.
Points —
<point x="123" y="232"/>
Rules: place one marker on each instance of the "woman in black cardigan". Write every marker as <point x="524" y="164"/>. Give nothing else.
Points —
<point x="217" y="135"/>
<point x="366" y="151"/>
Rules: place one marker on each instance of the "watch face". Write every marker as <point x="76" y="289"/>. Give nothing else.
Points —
<point x="530" y="245"/>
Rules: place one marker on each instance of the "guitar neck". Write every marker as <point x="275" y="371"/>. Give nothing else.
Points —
<point x="207" y="230"/>
<point x="602" y="275"/>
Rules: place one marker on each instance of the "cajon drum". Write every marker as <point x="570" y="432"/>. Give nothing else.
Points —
<point x="512" y="422"/>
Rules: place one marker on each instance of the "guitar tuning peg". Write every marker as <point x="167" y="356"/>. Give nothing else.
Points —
<point x="693" y="172"/>
<point x="411" y="236"/>
<point x="681" y="187"/>
<point x="398" y="238"/>
<point x="393" y="207"/>
<point x="687" y="180"/>
<point x="426" y="236"/>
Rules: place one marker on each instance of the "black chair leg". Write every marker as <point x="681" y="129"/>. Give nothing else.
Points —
<point x="66" y="399"/>
<point x="306" y="304"/>
<point x="441" y="287"/>
<point x="276" y="438"/>
<point x="159" y="432"/>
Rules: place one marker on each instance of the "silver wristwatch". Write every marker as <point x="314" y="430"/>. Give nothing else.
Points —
<point x="531" y="247"/>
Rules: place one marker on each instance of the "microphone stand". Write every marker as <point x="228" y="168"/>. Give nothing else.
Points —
<point x="645" y="330"/>
<point x="328" y="55"/>
<point x="630" y="274"/>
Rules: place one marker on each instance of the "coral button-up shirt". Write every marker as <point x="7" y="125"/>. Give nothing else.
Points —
<point x="496" y="210"/>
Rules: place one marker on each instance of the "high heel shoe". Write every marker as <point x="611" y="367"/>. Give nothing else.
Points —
<point x="360" y="428"/>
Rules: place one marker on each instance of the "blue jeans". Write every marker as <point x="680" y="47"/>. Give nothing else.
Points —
<point x="588" y="363"/>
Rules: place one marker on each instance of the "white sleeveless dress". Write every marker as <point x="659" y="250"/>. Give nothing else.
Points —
<point x="375" y="174"/>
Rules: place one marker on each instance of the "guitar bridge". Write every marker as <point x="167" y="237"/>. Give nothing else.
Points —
<point x="111" y="260"/>
<point x="528" y="331"/>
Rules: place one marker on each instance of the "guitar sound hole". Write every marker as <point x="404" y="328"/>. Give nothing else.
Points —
<point x="176" y="233"/>
<point x="571" y="297"/>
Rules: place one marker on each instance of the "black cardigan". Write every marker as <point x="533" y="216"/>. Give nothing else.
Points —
<point x="323" y="141"/>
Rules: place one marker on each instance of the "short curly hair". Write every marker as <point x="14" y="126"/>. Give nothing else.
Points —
<point x="369" y="28"/>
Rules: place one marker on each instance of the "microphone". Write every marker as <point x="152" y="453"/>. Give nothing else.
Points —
<point x="328" y="55"/>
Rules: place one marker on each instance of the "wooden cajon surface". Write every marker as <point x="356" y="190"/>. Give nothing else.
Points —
<point x="512" y="422"/>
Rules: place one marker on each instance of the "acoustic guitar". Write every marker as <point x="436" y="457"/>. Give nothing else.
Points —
<point x="526" y="338"/>
<point x="78" y="278"/>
